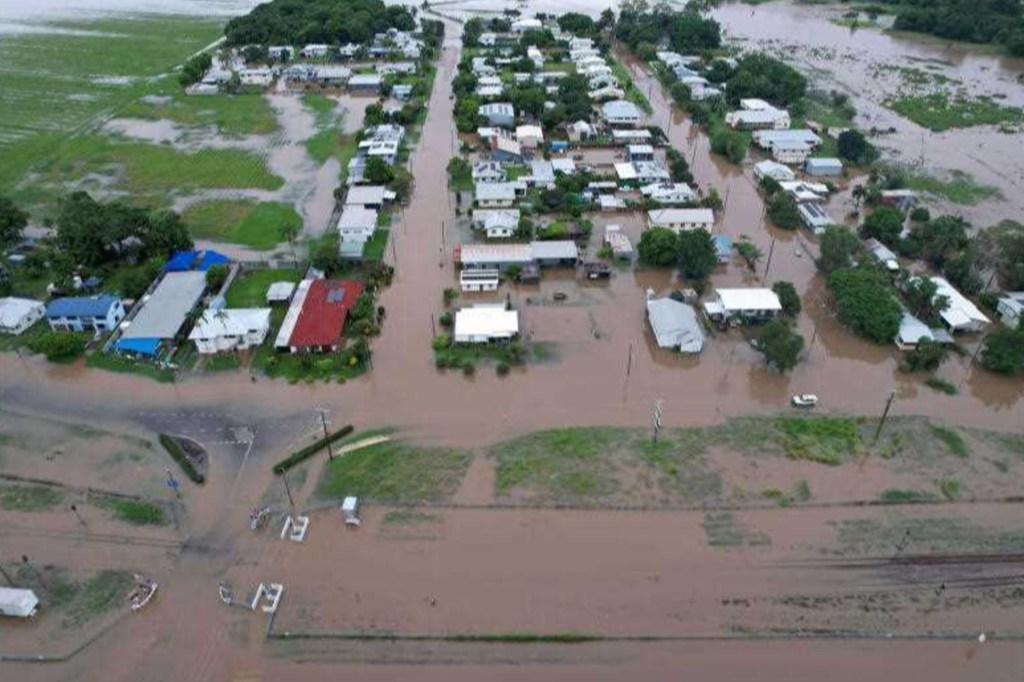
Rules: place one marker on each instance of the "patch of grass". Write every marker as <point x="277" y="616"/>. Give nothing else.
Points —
<point x="222" y="362"/>
<point x="305" y="453"/>
<point x="926" y="534"/>
<point x="131" y="511"/>
<point x="394" y="471"/>
<point x="177" y="453"/>
<point x="30" y="498"/>
<point x="901" y="496"/>
<point x="633" y="93"/>
<point x="374" y="250"/>
<point x="960" y="188"/>
<point x="249" y="290"/>
<point x="950" y="488"/>
<point x="96" y="596"/>
<point x="941" y="385"/>
<point x="24" y="340"/>
<point x="241" y="221"/>
<point x="124" y="364"/>
<point x="939" y="111"/>
<point x="722" y="529"/>
<point x="231" y="115"/>
<point x="824" y="440"/>
<point x="828" y="111"/>
<point x="801" y="493"/>
<point x="405" y="517"/>
<point x="953" y="441"/>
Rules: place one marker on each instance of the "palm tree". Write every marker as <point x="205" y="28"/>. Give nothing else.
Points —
<point x="290" y="233"/>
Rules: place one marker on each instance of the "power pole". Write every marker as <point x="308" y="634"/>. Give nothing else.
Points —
<point x="327" y="439"/>
<point x="656" y="419"/>
<point x="284" y="478"/>
<point x="80" y="519"/>
<point x="885" y="415"/>
<point x="813" y="337"/>
<point x="433" y="329"/>
<point x="768" y="263"/>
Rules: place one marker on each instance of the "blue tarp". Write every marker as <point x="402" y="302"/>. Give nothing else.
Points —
<point x="140" y="346"/>
<point x="182" y="261"/>
<point x="723" y="248"/>
<point x="559" y="146"/>
<point x="210" y="258"/>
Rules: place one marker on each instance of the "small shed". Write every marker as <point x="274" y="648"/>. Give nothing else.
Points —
<point x="823" y="167"/>
<point x="17" y="602"/>
<point x="350" y="510"/>
<point x="280" y="292"/>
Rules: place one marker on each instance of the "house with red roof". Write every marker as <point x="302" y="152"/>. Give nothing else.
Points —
<point x="316" y="317"/>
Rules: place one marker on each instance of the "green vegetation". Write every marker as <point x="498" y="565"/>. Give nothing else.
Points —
<point x="394" y="471"/>
<point x="241" y="221"/>
<point x="1003" y="351"/>
<point x="901" y="496"/>
<point x="231" y="115"/>
<point x="941" y="385"/>
<point x="801" y="493"/>
<point x="959" y="187"/>
<point x="405" y="517"/>
<point x="135" y="512"/>
<point x="460" y="174"/>
<point x="59" y="346"/>
<point x="950" y="488"/>
<point x="866" y="303"/>
<point x="827" y="440"/>
<point x="983" y="21"/>
<point x="928" y="534"/>
<point x="174" y="449"/>
<point x="57" y="84"/>
<point x="951" y="439"/>
<point x="722" y="529"/>
<point x="633" y="93"/>
<point x="305" y="453"/>
<point x="939" y="111"/>
<point x="30" y="498"/>
<point x="780" y="344"/>
<point x="249" y="290"/>
<point x="80" y="602"/>
<point x="322" y="21"/>
<point x="124" y="364"/>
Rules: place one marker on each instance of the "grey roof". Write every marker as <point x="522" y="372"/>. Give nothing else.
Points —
<point x="824" y="163"/>
<point x="620" y="109"/>
<point x="675" y="325"/>
<point x="495" y="191"/>
<point x="555" y="250"/>
<point x="164" y="312"/>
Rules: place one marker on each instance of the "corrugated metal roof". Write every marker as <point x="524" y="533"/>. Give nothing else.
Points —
<point x="164" y="312"/>
<point x="81" y="306"/>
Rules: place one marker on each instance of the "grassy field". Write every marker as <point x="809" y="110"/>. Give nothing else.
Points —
<point x="131" y="511"/>
<point x="394" y="471"/>
<point x="78" y="601"/>
<point x="231" y="115"/>
<point x="940" y="111"/>
<point x="248" y="222"/>
<point x="54" y="86"/>
<point x="249" y="290"/>
<point x="30" y="498"/>
<point x="126" y="365"/>
<point x="329" y="141"/>
<point x="960" y="188"/>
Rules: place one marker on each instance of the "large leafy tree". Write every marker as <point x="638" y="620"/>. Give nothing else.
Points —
<point x="696" y="255"/>
<point x="780" y="345"/>
<point x="761" y="76"/>
<point x="866" y="303"/>
<point x="1003" y="249"/>
<point x="839" y="248"/>
<point x="12" y="221"/>
<point x="937" y="240"/>
<point x="294" y="22"/>
<point x="1004" y="351"/>
<point x="657" y="246"/>
<point x="884" y="224"/>
<point x="788" y="297"/>
<point x="856" y="148"/>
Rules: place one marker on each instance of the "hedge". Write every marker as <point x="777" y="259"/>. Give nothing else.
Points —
<point x="310" y="450"/>
<point x="178" y="455"/>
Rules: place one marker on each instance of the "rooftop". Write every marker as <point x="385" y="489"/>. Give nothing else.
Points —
<point x="749" y="299"/>
<point x="322" y="307"/>
<point x="81" y="306"/>
<point x="230" y="322"/>
<point x="165" y="311"/>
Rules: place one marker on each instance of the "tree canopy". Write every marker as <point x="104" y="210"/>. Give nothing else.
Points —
<point x="684" y="32"/>
<point x="780" y="345"/>
<point x="788" y="297"/>
<point x="657" y="246"/>
<point x="866" y="303"/>
<point x="758" y="75"/>
<point x="696" y="254"/>
<point x="295" y="22"/>
<point x="1004" y="351"/>
<point x="12" y="221"/>
<point x="977" y="21"/>
<point x="855" y="148"/>
<point x="1003" y="245"/>
<point x="884" y="224"/>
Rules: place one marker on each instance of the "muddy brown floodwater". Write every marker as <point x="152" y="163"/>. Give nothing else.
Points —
<point x="656" y="558"/>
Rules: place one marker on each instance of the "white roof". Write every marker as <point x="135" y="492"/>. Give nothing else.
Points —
<point x="752" y="104"/>
<point x="620" y="109"/>
<point x="500" y="217"/>
<point x="471" y="254"/>
<point x="163" y="313"/>
<point x="668" y="192"/>
<point x="488" y="321"/>
<point x="529" y="131"/>
<point x="960" y="311"/>
<point x="14" y="310"/>
<point x="772" y="169"/>
<point x="500" y="108"/>
<point x="567" y="166"/>
<point x="360" y="195"/>
<point x="495" y="191"/>
<point x="554" y="250"/>
<point x="642" y="134"/>
<point x="749" y="299"/>
<point x="357" y="217"/>
<point x="280" y="291"/>
<point x="639" y="149"/>
<point x="542" y="171"/>
<point x="365" y="79"/>
<point x="675" y="325"/>
<point x="674" y="216"/>
<point x="617" y="239"/>
<point x="17" y="601"/>
<point x="913" y="331"/>
<point x="625" y="171"/>
<point x="230" y="322"/>
<point x="504" y="144"/>
<point x="610" y="202"/>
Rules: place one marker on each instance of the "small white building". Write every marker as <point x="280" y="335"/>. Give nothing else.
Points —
<point x="823" y="167"/>
<point x="280" y="292"/>
<point x="618" y="241"/>
<point x="496" y="223"/>
<point x="259" y="76"/>
<point x="475" y="281"/>
<point x="679" y="219"/>
<point x="315" y="50"/>
<point x="18" y="314"/>
<point x="758" y="119"/>
<point x="495" y="194"/>
<point x="535" y="56"/>
<point x="230" y="329"/>
<point x="357" y="224"/>
<point x="791" y="152"/>
<point x="530" y="136"/>
<point x="775" y="171"/>
<point x="675" y="325"/>
<point x="526" y="24"/>
<point x="486" y="324"/>
<point x="579" y="130"/>
<point x="669" y="192"/>
<point x="735" y="306"/>
<point x="961" y="315"/>
<point x="18" y="603"/>
<point x="369" y="196"/>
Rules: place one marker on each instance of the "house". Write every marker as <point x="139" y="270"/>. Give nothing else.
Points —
<point x="85" y="313"/>
<point x="506" y="150"/>
<point x="488" y="171"/>
<point x="669" y="192"/>
<point x="618" y="241"/>
<point x="260" y="76"/>
<point x="280" y="292"/>
<point x="579" y="130"/>
<point x="802" y="191"/>
<point x="609" y="202"/>
<point x="526" y="24"/>
<point x="496" y="223"/>
<point x="565" y="166"/>
<point x="402" y="92"/>
<point x="489" y="86"/>
<point x="675" y="325"/>
<point x="554" y="253"/>
<point x="542" y="174"/>
<point x="1011" y="308"/>
<point x="814" y="217"/>
<point x="530" y="136"/>
<point x="735" y="306"/>
<point x="883" y="254"/>
<point x="480" y="67"/>
<point x="535" y="56"/>
<point x="499" y="114"/>
<point x="642" y="172"/>
<point x="495" y="194"/>
<point x="230" y="329"/>
<point x="493" y="256"/>
<point x="488" y="39"/>
<point x="329" y="75"/>
<point x="679" y="219"/>
<point x="775" y="171"/>
<point x="369" y="196"/>
<point x="912" y="332"/>
<point x="280" y="52"/>
<point x="903" y="199"/>
<point x="768" y="118"/>
<point x="794" y="153"/>
<point x="160" y="317"/>
<point x="316" y="317"/>
<point x="365" y="83"/>
<point x="823" y="167"/>
<point x="18" y="314"/>
<point x="961" y="315"/>
<point x="601" y="80"/>
<point x="639" y="152"/>
<point x="765" y="139"/>
<point x="315" y="51"/>
<point x="621" y="113"/>
<point x="486" y="324"/>
<point x="357" y="224"/>
<point x="473" y="281"/>
<point x="385" y="68"/>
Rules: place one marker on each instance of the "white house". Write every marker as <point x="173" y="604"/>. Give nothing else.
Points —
<point x="669" y="192"/>
<point x="607" y="92"/>
<point x="18" y="314"/>
<point x="960" y="315"/>
<point x="357" y="224"/>
<point x="496" y="223"/>
<point x="535" y="56"/>
<point x="675" y="325"/>
<point x="734" y="306"/>
<point x="530" y="136"/>
<point x="495" y="194"/>
<point x="260" y="76"/>
<point x="479" y="280"/>
<point x="1011" y="308"/>
<point x="679" y="219"/>
<point x="488" y="171"/>
<point x="814" y="216"/>
<point x="500" y="114"/>
<point x="369" y="196"/>
<point x="526" y="24"/>
<point x="791" y="152"/>
<point x="486" y="324"/>
<point x="621" y="113"/>
<point x="315" y="50"/>
<point x="579" y="130"/>
<point x="775" y="171"/>
<point x="756" y="114"/>
<point x="230" y="329"/>
<point x="85" y="313"/>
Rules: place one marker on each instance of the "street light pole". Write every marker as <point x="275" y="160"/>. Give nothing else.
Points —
<point x="284" y="478"/>
<point x="327" y="438"/>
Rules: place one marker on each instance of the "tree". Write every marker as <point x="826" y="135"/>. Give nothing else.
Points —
<point x="607" y="19"/>
<point x="749" y="252"/>
<point x="290" y="233"/>
<point x="758" y="75"/>
<point x="657" y="246"/>
<point x="855" y="148"/>
<point x="920" y="295"/>
<point x="1003" y="248"/>
<point x="938" y="239"/>
<point x="884" y="224"/>
<point x="928" y="356"/>
<point x="961" y="271"/>
<point x="195" y="68"/>
<point x="254" y="54"/>
<point x="1003" y="351"/>
<point x="839" y="248"/>
<point x="377" y="171"/>
<point x="696" y="254"/>
<point x="729" y="143"/>
<point x="576" y="23"/>
<point x="788" y="297"/>
<point x="681" y="93"/>
<point x="12" y="222"/>
<point x="58" y="346"/>
<point x="471" y="32"/>
<point x="324" y="253"/>
<point x="780" y="345"/>
<point x="866" y="303"/>
<point x="782" y="211"/>
<point x="216" y="275"/>
<point x="678" y="167"/>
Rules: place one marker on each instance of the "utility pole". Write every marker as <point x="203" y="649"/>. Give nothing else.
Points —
<point x="433" y="329"/>
<point x="656" y="419"/>
<point x="885" y="415"/>
<point x="768" y="263"/>
<point x="327" y="438"/>
<point x="80" y="519"/>
<point x="629" y="360"/>
<point x="813" y="337"/>
<point x="284" y="478"/>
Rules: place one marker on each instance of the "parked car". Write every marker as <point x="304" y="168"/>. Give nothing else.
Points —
<point x="805" y="400"/>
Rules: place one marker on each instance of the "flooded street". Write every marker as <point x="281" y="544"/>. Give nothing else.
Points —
<point x="475" y="569"/>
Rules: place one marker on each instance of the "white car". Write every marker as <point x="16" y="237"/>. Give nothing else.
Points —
<point x="805" y="400"/>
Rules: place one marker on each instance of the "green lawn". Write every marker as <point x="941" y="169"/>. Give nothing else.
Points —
<point x="244" y="221"/>
<point x="127" y="365"/>
<point x="960" y="188"/>
<point x="375" y="247"/>
<point x="633" y="93"/>
<point x="55" y="85"/>
<point x="940" y="111"/>
<point x="10" y="342"/>
<point x="249" y="290"/>
<point x="394" y="472"/>
<point x="232" y="115"/>
<point x="30" y="498"/>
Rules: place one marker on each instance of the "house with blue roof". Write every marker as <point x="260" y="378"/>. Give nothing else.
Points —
<point x="100" y="313"/>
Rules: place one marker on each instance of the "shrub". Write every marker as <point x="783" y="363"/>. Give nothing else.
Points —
<point x="173" y="448"/>
<point x="468" y="368"/>
<point x="59" y="346"/>
<point x="502" y="369"/>
<point x="441" y="342"/>
<point x="310" y="450"/>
